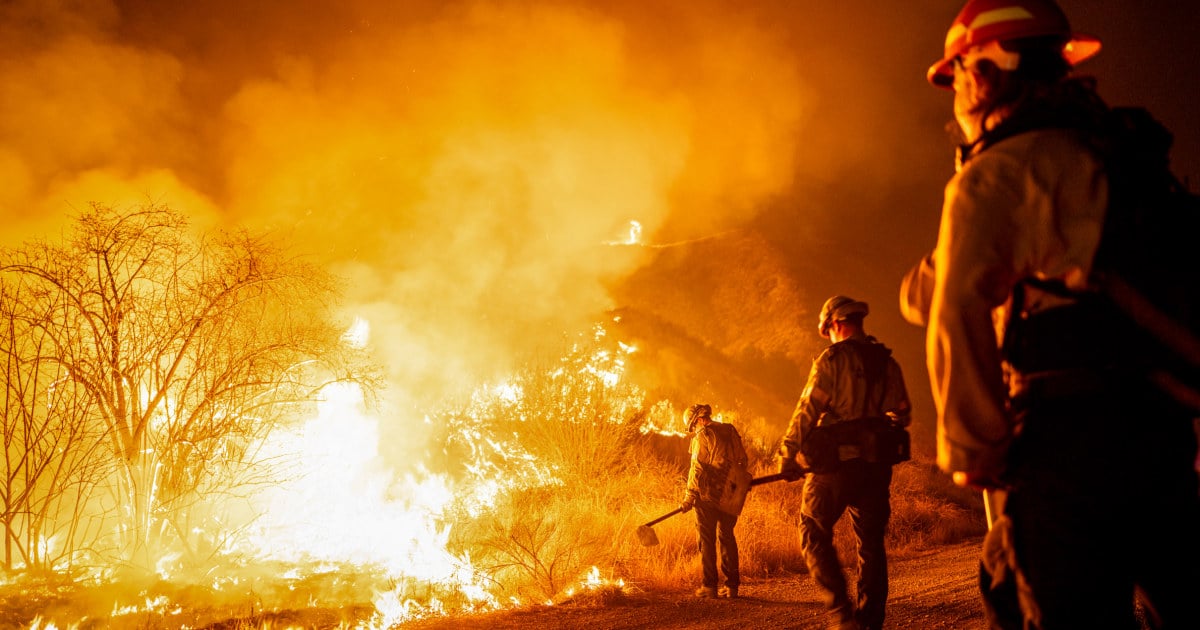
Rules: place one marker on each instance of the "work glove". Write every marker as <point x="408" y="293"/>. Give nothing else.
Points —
<point x="978" y="481"/>
<point x="789" y="467"/>
<point x="687" y="504"/>
<point x="984" y="469"/>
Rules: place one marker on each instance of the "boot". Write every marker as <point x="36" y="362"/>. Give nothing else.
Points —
<point x="729" y="591"/>
<point x="842" y="618"/>
<point x="707" y="592"/>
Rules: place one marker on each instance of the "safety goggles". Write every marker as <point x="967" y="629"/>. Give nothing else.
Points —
<point x="990" y="51"/>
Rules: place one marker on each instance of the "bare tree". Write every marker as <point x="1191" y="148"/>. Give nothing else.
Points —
<point x="53" y="457"/>
<point x="189" y="351"/>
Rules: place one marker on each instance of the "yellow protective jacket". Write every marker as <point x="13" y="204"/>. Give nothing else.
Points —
<point x="839" y="389"/>
<point x="1031" y="205"/>
<point x="718" y="472"/>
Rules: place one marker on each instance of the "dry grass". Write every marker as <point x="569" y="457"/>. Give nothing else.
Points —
<point x="610" y="478"/>
<point x="582" y="478"/>
<point x="926" y="513"/>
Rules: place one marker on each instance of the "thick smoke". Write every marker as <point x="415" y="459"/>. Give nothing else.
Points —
<point x="462" y="164"/>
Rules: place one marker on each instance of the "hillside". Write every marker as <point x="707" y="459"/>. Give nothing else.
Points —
<point x="722" y="320"/>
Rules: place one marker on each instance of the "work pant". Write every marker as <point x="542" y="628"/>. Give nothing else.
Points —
<point x="713" y="527"/>
<point x="1103" y="508"/>
<point x="863" y="489"/>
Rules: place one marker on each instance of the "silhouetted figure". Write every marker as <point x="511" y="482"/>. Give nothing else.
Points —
<point x="718" y="481"/>
<point x="853" y="383"/>
<point x="1088" y="470"/>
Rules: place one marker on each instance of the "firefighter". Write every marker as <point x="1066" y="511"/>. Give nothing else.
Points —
<point x="854" y="378"/>
<point x="718" y="481"/>
<point x="1088" y="471"/>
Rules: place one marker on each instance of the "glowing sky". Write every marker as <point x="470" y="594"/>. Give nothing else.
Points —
<point x="462" y="164"/>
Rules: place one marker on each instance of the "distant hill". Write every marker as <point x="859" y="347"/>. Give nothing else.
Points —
<point x="719" y="319"/>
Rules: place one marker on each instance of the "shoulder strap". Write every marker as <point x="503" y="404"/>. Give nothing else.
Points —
<point x="1071" y="104"/>
<point x="874" y="358"/>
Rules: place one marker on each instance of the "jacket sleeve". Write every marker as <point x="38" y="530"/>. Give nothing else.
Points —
<point x="695" y="468"/>
<point x="1032" y="205"/>
<point x="973" y="276"/>
<point x="814" y="401"/>
<point x="916" y="292"/>
<point x="896" y="402"/>
<point x="703" y="449"/>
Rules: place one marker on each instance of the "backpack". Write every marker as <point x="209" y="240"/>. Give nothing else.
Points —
<point x="731" y="458"/>
<point x="872" y="438"/>
<point x="1144" y="294"/>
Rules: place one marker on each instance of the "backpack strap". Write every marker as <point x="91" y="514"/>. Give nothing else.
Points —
<point x="874" y="358"/>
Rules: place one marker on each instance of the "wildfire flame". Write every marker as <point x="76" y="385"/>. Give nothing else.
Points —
<point x="340" y="524"/>
<point x="374" y="140"/>
<point x="341" y="503"/>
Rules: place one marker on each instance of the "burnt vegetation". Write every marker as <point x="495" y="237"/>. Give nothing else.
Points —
<point x="145" y="367"/>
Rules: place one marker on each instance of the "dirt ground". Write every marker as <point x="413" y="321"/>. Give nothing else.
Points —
<point x="935" y="590"/>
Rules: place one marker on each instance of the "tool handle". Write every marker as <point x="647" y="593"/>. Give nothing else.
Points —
<point x="664" y="517"/>
<point x="753" y="482"/>
<point x="773" y="478"/>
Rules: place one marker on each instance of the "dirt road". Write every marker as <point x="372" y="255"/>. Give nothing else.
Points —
<point x="935" y="590"/>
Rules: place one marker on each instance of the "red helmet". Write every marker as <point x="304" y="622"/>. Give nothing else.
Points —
<point x="984" y="21"/>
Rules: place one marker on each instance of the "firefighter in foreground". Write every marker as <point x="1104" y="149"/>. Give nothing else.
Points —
<point x="717" y="485"/>
<point x="852" y="382"/>
<point x="1089" y="470"/>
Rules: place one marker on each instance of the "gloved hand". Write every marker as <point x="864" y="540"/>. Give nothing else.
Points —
<point x="983" y="470"/>
<point x="687" y="504"/>
<point x="789" y="466"/>
<point x="977" y="480"/>
<point x="802" y="462"/>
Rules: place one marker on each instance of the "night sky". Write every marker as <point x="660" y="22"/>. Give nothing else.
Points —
<point x="453" y="159"/>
